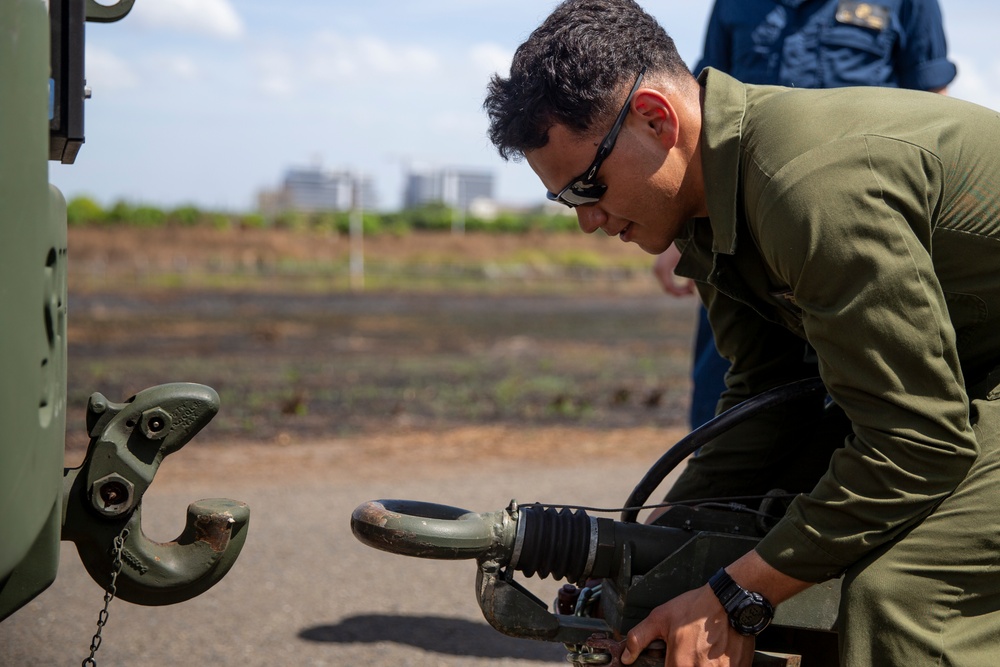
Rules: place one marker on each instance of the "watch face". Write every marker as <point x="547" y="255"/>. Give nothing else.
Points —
<point x="750" y="615"/>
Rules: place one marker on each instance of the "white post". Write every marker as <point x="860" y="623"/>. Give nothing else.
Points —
<point x="357" y="265"/>
<point x="458" y="213"/>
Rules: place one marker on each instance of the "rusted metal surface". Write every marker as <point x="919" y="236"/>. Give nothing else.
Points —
<point x="373" y="513"/>
<point x="369" y="523"/>
<point x="214" y="529"/>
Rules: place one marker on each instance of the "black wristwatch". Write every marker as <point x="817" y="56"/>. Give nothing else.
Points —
<point x="749" y="613"/>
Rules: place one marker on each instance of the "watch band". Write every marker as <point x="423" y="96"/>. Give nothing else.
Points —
<point x="725" y="588"/>
<point x="749" y="613"/>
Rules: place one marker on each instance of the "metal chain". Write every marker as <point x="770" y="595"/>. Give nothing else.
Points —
<point x="109" y="595"/>
<point x="581" y="655"/>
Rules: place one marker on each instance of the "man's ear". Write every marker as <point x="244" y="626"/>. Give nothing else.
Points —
<point x="658" y="114"/>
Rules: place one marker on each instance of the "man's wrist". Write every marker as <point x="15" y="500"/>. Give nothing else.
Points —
<point x="749" y="612"/>
<point x="752" y="572"/>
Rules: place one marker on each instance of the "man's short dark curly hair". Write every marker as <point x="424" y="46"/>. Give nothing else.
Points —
<point x="570" y="71"/>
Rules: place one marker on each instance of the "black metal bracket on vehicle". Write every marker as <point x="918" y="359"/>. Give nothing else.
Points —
<point x="68" y="88"/>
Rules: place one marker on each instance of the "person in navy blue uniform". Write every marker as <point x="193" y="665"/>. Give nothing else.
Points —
<point x="810" y="44"/>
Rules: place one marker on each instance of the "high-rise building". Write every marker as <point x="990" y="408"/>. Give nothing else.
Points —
<point x="311" y="189"/>
<point x="455" y="188"/>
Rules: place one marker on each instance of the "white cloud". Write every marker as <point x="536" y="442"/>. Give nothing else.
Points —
<point x="215" y="18"/>
<point x="329" y="58"/>
<point x="275" y="73"/>
<point x="469" y="126"/>
<point x="107" y="71"/>
<point x="178" y="67"/>
<point x="490" y="58"/>
<point x="385" y="58"/>
<point x="332" y="56"/>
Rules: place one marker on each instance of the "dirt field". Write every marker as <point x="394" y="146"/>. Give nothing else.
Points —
<point x="479" y="345"/>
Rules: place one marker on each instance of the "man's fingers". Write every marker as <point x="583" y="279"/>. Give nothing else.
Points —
<point x="638" y="639"/>
<point x="677" y="286"/>
<point x="663" y="269"/>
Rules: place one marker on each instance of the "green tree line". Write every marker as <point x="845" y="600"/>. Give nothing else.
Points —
<point x="82" y="211"/>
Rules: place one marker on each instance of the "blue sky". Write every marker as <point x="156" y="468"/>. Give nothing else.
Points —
<point x="209" y="101"/>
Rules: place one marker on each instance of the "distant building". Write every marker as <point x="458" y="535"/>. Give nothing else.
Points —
<point x="311" y="189"/>
<point x="456" y="188"/>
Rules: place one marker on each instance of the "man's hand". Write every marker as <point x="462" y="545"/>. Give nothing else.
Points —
<point x="696" y="628"/>
<point x="697" y="633"/>
<point x="663" y="269"/>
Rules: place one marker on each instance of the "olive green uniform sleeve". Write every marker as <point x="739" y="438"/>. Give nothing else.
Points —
<point x="847" y="231"/>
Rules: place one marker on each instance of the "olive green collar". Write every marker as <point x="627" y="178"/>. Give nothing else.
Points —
<point x="722" y="120"/>
<point x="722" y="126"/>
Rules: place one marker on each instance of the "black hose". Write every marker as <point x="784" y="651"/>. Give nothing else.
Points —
<point x="711" y="430"/>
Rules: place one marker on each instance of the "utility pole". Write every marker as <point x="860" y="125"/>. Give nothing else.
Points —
<point x="458" y="211"/>
<point x="357" y="234"/>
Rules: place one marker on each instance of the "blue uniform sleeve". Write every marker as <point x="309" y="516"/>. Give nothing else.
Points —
<point x="717" y="49"/>
<point x="923" y="58"/>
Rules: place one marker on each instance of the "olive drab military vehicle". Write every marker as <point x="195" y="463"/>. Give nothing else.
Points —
<point x="98" y="505"/>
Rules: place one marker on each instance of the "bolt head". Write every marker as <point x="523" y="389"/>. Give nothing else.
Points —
<point x="112" y="495"/>
<point x="156" y="423"/>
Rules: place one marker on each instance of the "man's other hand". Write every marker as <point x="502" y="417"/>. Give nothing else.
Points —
<point x="663" y="269"/>
<point x="697" y="633"/>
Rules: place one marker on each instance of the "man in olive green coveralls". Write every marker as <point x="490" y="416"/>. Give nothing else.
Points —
<point x="863" y="220"/>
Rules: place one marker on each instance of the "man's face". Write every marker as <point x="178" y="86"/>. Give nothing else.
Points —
<point x="641" y="202"/>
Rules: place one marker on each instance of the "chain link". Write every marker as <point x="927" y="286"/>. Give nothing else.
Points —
<point x="581" y="655"/>
<point x="109" y="595"/>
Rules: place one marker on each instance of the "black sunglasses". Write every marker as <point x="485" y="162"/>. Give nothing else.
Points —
<point x="584" y="189"/>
